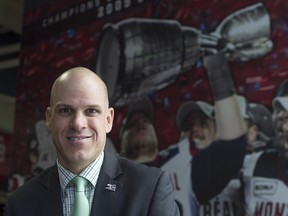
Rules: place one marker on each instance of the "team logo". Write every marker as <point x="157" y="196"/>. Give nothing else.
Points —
<point x="264" y="187"/>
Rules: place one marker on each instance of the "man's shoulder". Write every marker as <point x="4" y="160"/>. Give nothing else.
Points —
<point x="133" y="170"/>
<point x="138" y="168"/>
<point x="137" y="175"/>
<point x="34" y="184"/>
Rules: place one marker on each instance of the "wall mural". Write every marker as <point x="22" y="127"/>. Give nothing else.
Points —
<point x="150" y="54"/>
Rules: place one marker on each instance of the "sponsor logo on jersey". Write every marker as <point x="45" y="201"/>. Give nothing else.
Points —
<point x="264" y="187"/>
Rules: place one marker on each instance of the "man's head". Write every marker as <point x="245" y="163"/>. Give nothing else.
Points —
<point x="195" y="121"/>
<point x="261" y="118"/>
<point x="79" y="117"/>
<point x="280" y="116"/>
<point x="139" y="141"/>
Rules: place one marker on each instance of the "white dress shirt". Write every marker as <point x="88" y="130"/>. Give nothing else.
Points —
<point x="91" y="173"/>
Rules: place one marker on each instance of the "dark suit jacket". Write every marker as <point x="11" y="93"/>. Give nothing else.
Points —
<point x="140" y="190"/>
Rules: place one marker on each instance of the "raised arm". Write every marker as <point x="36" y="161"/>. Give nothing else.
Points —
<point x="213" y="167"/>
<point x="230" y="124"/>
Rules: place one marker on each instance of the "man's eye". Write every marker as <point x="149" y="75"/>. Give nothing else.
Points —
<point x="65" y="111"/>
<point x="92" y="111"/>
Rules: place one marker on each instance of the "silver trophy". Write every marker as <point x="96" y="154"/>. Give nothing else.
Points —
<point x="138" y="56"/>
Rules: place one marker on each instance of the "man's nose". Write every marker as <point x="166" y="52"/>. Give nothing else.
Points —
<point x="78" y="121"/>
<point x="195" y="127"/>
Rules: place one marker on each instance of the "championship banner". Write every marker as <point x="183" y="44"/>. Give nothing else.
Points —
<point x="150" y="54"/>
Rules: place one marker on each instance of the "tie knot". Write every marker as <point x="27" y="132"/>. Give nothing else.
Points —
<point x="80" y="183"/>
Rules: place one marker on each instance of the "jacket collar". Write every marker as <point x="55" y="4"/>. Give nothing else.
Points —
<point x="107" y="191"/>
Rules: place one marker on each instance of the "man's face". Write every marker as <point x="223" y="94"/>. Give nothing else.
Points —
<point x="138" y="121"/>
<point x="79" y="120"/>
<point x="252" y="132"/>
<point x="280" y="119"/>
<point x="199" y="129"/>
<point x="139" y="137"/>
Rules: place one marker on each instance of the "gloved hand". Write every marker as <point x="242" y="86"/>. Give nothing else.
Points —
<point x="219" y="75"/>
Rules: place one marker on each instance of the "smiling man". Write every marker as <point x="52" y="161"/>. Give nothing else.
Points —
<point x="195" y="121"/>
<point x="79" y="118"/>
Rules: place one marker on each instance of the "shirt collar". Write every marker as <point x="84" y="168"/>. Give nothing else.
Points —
<point x="91" y="173"/>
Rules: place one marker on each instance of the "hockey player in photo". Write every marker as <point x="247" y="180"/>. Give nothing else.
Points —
<point x="139" y="141"/>
<point x="229" y="200"/>
<point x="214" y="166"/>
<point x="265" y="173"/>
<point x="199" y="177"/>
<point x="260" y="127"/>
<point x="196" y="124"/>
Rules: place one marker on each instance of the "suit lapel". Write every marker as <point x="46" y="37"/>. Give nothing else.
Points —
<point x="106" y="196"/>
<point x="50" y="199"/>
<point x="108" y="188"/>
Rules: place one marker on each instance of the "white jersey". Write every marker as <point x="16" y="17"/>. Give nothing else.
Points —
<point x="227" y="203"/>
<point x="179" y="168"/>
<point x="265" y="177"/>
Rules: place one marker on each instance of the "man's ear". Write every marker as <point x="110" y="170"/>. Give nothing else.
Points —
<point x="48" y="117"/>
<point x="110" y="118"/>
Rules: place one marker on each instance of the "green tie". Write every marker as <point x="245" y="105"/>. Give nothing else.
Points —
<point x="80" y="205"/>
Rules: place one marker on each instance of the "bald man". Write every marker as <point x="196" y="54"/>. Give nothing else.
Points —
<point x="79" y="118"/>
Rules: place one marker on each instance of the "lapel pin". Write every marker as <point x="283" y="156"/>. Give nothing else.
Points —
<point x="111" y="187"/>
